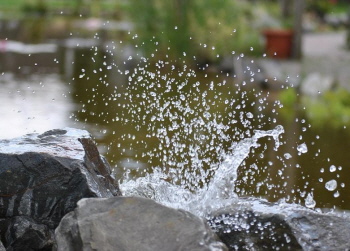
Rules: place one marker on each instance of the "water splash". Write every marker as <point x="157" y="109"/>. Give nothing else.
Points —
<point x="193" y="134"/>
<point x="309" y="201"/>
<point x="223" y="184"/>
<point x="220" y="190"/>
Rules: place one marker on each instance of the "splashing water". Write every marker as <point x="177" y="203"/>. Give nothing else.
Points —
<point x="218" y="193"/>
<point x="192" y="138"/>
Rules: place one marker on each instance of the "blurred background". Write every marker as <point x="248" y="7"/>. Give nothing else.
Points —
<point x="75" y="63"/>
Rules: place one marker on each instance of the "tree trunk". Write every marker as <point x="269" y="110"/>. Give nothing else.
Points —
<point x="348" y="33"/>
<point x="299" y="6"/>
<point x="286" y="8"/>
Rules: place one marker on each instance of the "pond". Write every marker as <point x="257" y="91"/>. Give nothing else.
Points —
<point x="147" y="113"/>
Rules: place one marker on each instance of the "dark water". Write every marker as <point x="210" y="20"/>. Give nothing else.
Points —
<point x="146" y="113"/>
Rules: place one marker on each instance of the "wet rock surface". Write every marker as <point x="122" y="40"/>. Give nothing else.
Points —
<point x="253" y="224"/>
<point x="24" y="233"/>
<point x="131" y="223"/>
<point x="2" y="248"/>
<point x="43" y="176"/>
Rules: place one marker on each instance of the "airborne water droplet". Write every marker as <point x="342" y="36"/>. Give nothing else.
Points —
<point x="249" y="115"/>
<point x="332" y="168"/>
<point x="331" y="185"/>
<point x="287" y="156"/>
<point x="302" y="148"/>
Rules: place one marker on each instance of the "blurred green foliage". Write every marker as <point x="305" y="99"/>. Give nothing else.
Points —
<point x="331" y="108"/>
<point x="290" y="101"/>
<point x="206" y="29"/>
<point x="38" y="7"/>
<point x="320" y="7"/>
<point x="23" y="8"/>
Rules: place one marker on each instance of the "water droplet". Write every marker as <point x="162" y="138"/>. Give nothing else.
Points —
<point x="331" y="185"/>
<point x="287" y="156"/>
<point x="309" y="201"/>
<point x="332" y="168"/>
<point x="336" y="194"/>
<point x="302" y="148"/>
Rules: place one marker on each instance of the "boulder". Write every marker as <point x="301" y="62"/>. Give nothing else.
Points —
<point x="253" y="224"/>
<point x="2" y="248"/>
<point x="43" y="176"/>
<point x="132" y="223"/>
<point x="25" y="234"/>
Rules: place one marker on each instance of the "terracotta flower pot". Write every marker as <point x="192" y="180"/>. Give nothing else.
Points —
<point x="279" y="43"/>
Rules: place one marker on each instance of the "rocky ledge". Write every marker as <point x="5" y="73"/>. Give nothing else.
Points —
<point x="254" y="224"/>
<point x="42" y="177"/>
<point x="58" y="193"/>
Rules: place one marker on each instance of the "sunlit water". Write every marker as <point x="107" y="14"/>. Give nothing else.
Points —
<point x="189" y="139"/>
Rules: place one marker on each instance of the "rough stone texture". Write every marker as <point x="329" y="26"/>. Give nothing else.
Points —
<point x="42" y="178"/>
<point x="253" y="224"/>
<point x="2" y="248"/>
<point x="26" y="234"/>
<point x="131" y="223"/>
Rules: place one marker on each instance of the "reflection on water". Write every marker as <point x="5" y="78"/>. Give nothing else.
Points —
<point x="147" y="114"/>
<point x="33" y="104"/>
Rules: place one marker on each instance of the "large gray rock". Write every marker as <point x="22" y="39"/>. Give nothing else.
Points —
<point x="25" y="234"/>
<point x="42" y="178"/>
<point x="131" y="223"/>
<point x="253" y="224"/>
<point x="2" y="248"/>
